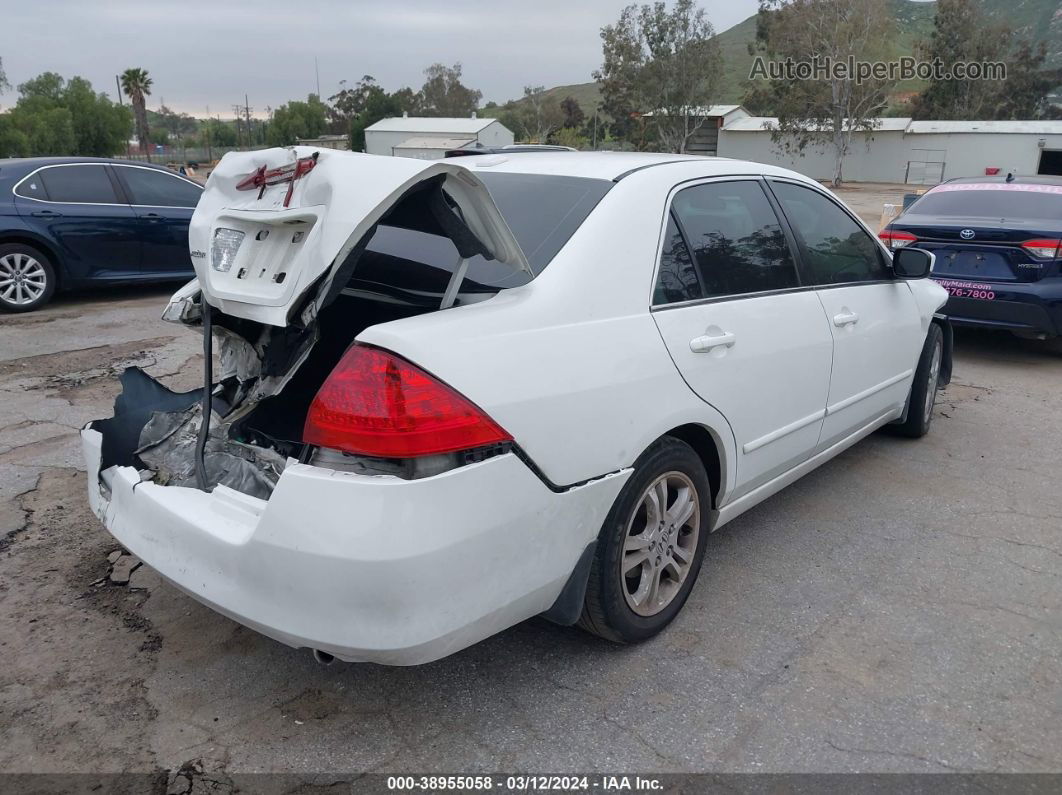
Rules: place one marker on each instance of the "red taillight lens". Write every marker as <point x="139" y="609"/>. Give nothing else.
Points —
<point x="377" y="404"/>
<point x="894" y="238"/>
<point x="1044" y="249"/>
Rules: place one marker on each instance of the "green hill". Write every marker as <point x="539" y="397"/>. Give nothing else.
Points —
<point x="1041" y="19"/>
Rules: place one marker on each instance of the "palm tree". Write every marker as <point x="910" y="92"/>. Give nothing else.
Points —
<point x="137" y="85"/>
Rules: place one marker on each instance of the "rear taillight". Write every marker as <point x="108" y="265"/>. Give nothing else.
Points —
<point x="377" y="404"/>
<point x="1043" y="249"/>
<point x="894" y="239"/>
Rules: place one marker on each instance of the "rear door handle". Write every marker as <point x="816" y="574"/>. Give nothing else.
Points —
<point x="845" y="318"/>
<point x="46" y="214"/>
<point x="710" y="342"/>
<point x="151" y="216"/>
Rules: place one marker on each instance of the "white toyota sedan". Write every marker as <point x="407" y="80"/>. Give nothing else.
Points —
<point x="453" y="395"/>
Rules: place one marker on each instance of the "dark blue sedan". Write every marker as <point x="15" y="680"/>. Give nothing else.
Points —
<point x="998" y="247"/>
<point x="78" y="222"/>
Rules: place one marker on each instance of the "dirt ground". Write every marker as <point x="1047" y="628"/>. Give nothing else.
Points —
<point x="899" y="609"/>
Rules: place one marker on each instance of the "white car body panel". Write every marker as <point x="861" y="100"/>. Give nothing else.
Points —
<point x="874" y="356"/>
<point x="575" y="365"/>
<point x="400" y="572"/>
<point x="780" y="343"/>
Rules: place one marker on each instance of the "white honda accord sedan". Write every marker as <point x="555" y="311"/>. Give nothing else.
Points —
<point x="453" y="395"/>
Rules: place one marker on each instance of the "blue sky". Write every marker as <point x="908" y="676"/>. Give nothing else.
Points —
<point x="209" y="54"/>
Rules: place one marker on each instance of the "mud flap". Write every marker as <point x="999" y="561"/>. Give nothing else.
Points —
<point x="569" y="605"/>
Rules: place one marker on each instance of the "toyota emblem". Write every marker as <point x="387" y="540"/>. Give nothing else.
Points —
<point x="967" y="234"/>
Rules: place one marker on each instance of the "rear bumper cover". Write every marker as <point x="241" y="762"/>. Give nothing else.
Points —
<point x="366" y="568"/>
<point x="1024" y="306"/>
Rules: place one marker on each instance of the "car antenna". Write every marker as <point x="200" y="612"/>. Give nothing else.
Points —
<point x="1010" y="176"/>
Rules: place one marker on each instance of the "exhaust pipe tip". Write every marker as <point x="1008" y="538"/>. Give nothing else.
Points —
<point x="323" y="657"/>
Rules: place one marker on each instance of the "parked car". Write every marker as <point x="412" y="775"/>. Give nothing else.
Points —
<point x="458" y="394"/>
<point x="68" y="222"/>
<point x="998" y="247"/>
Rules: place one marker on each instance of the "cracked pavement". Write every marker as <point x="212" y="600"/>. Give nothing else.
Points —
<point x="899" y="609"/>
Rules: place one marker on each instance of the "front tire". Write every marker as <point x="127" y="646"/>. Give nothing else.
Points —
<point x="651" y="545"/>
<point x="27" y="278"/>
<point x="924" y="388"/>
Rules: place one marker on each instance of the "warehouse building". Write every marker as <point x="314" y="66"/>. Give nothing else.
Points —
<point x="428" y="138"/>
<point x="915" y="152"/>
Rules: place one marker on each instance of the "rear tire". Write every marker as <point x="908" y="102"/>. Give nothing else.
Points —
<point x="647" y="560"/>
<point x="924" y="388"/>
<point x="27" y="278"/>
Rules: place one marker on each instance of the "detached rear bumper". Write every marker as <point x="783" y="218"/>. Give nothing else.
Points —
<point x="373" y="569"/>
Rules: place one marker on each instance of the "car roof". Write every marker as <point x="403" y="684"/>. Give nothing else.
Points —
<point x="1028" y="179"/>
<point x="31" y="163"/>
<point x="595" y="165"/>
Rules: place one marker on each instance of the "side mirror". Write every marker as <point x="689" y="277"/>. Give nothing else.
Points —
<point x="912" y="263"/>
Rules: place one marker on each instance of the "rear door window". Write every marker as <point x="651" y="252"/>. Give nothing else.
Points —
<point x="836" y="249"/>
<point x="677" y="280"/>
<point x="79" y="184"/>
<point x="735" y="240"/>
<point x="32" y="187"/>
<point x="151" y="188"/>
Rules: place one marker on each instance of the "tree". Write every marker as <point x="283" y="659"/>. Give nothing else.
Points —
<point x="55" y="117"/>
<point x="1023" y="94"/>
<point x="573" y="114"/>
<point x="378" y="105"/>
<point x="661" y="62"/>
<point x="824" y="113"/>
<point x="963" y="33"/>
<point x="216" y="132"/>
<point x="349" y="102"/>
<point x="136" y="84"/>
<point x="101" y="128"/>
<point x="443" y="93"/>
<point x="539" y="114"/>
<point x="295" y="120"/>
<point x="177" y="126"/>
<point x="4" y="85"/>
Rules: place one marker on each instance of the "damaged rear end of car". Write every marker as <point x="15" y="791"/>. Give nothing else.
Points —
<point x="326" y="492"/>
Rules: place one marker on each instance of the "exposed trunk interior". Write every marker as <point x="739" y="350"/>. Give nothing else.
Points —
<point x="415" y="260"/>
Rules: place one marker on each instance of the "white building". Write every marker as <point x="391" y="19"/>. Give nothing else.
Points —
<point x="428" y="138"/>
<point x="902" y="150"/>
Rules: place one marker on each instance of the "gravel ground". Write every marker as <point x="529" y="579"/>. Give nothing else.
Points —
<point x="899" y="609"/>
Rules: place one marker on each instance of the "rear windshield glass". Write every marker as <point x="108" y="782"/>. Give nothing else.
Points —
<point x="989" y="204"/>
<point x="543" y="212"/>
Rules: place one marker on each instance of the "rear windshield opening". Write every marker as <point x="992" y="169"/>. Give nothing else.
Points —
<point x="543" y="212"/>
<point x="989" y="204"/>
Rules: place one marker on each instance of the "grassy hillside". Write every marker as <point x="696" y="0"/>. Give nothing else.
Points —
<point x="1041" y="19"/>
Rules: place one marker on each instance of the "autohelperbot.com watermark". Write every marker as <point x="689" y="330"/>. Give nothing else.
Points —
<point x="825" y="67"/>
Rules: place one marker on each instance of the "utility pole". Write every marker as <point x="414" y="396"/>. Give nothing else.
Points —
<point x="206" y="131"/>
<point x="237" y="111"/>
<point x="317" y="74"/>
<point x="247" y="114"/>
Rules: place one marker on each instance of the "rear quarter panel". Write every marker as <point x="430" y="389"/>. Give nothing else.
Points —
<point x="571" y="364"/>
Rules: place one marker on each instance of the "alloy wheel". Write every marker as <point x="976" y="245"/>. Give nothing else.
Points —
<point x="660" y="543"/>
<point x="934" y="378"/>
<point x="23" y="279"/>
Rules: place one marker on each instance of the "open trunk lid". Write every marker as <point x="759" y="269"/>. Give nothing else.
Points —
<point x="289" y="218"/>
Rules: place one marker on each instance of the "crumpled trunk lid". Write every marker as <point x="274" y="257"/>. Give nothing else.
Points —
<point x="297" y="232"/>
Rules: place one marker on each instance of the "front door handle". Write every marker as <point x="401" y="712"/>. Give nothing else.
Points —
<point x="151" y="217"/>
<point x="712" y="341"/>
<point x="46" y="214"/>
<point x="845" y="318"/>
